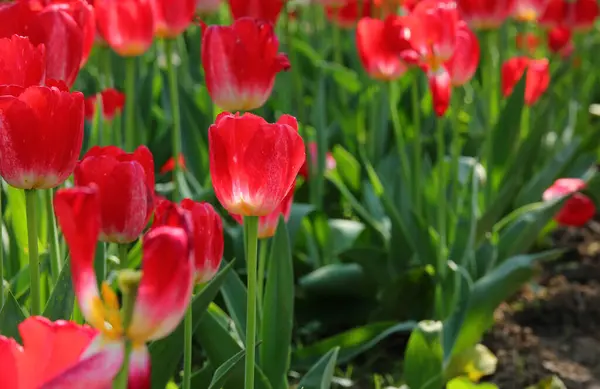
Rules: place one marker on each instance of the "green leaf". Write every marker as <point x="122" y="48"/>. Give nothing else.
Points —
<point x="299" y="211"/>
<point x="465" y="383"/>
<point x="18" y="215"/>
<point x="222" y="373"/>
<point x="321" y="374"/>
<point x="423" y="360"/>
<point x="350" y="343"/>
<point x="278" y="310"/>
<point x="167" y="352"/>
<point x="235" y="295"/>
<point x="489" y="291"/>
<point x="202" y="378"/>
<point x="348" y="167"/>
<point x="10" y="317"/>
<point x="339" y="279"/>
<point x="475" y="363"/>
<point x="60" y="303"/>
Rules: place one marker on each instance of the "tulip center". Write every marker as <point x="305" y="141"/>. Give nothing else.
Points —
<point x="107" y="317"/>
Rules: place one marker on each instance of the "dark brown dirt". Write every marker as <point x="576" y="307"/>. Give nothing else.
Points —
<point x="553" y="326"/>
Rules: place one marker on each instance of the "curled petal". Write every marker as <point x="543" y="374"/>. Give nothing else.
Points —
<point x="165" y="289"/>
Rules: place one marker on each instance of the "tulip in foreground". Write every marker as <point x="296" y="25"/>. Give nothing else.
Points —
<point x="42" y="134"/>
<point x="265" y="10"/>
<point x="164" y="288"/>
<point x="578" y="209"/>
<point x="240" y="63"/>
<point x="253" y="164"/>
<point x="172" y="17"/>
<point x="58" y="354"/>
<point x="125" y="184"/>
<point x="537" y="77"/>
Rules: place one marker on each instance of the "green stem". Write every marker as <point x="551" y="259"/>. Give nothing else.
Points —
<point x="123" y="255"/>
<point x="400" y="141"/>
<point x="490" y="84"/>
<point x="106" y="67"/>
<point x="441" y="208"/>
<point x="128" y="282"/>
<point x="95" y="130"/>
<point x="416" y="116"/>
<point x="176" y="133"/>
<point x="262" y="265"/>
<point x="251" y="225"/>
<point x="34" y="264"/>
<point x="100" y="262"/>
<point x="455" y="147"/>
<point x="187" y="349"/>
<point x="130" y="136"/>
<point x="55" y="255"/>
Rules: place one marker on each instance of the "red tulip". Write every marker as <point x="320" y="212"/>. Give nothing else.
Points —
<point x="169" y="166"/>
<point x="463" y="63"/>
<point x="265" y="10"/>
<point x="376" y="51"/>
<point x="537" y="78"/>
<point x="578" y="209"/>
<point x="206" y="231"/>
<point x="126" y="25"/>
<point x="559" y="41"/>
<point x="529" y="10"/>
<point x="113" y="102"/>
<point x="52" y="26"/>
<point x="42" y="133"/>
<point x="313" y="154"/>
<point x="126" y="188"/>
<point x="59" y="354"/>
<point x="485" y="14"/>
<point x="574" y="14"/>
<point x="267" y="225"/>
<point x="240" y="63"/>
<point x="24" y="64"/>
<point x="527" y="43"/>
<point x="172" y="17"/>
<point x="253" y="164"/>
<point x="205" y="7"/>
<point x="348" y="14"/>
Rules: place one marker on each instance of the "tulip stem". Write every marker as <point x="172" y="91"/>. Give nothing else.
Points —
<point x="100" y="262"/>
<point x="34" y="263"/>
<point x="187" y="348"/>
<point x="55" y="256"/>
<point x="128" y="282"/>
<point x="400" y="141"/>
<point x="416" y="117"/>
<point x="130" y="103"/>
<point x="176" y="133"/>
<point x="123" y="255"/>
<point x="262" y="264"/>
<point x="251" y="226"/>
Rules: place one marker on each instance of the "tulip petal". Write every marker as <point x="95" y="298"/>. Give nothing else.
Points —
<point x="21" y="63"/>
<point x="139" y="368"/>
<point x="441" y="90"/>
<point x="165" y="289"/>
<point x="8" y="366"/>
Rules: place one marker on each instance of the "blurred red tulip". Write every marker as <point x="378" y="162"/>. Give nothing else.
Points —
<point x="573" y="14"/>
<point x="440" y="85"/>
<point x="126" y="188"/>
<point x="349" y="13"/>
<point x="206" y="231"/>
<point x="52" y="26"/>
<point x="126" y="25"/>
<point x="172" y="17"/>
<point x="560" y="42"/>
<point x="267" y="225"/>
<point x="578" y="209"/>
<point x="169" y="166"/>
<point x="529" y="10"/>
<point x="113" y="102"/>
<point x="240" y="63"/>
<point x="60" y="354"/>
<point x="23" y="63"/>
<point x="527" y="43"/>
<point x="463" y="63"/>
<point x="264" y="10"/>
<point x="376" y="52"/>
<point x="485" y="14"/>
<point x="537" y="77"/>
<point x="313" y="154"/>
<point x="205" y="7"/>
<point x="42" y="133"/>
<point x="253" y="164"/>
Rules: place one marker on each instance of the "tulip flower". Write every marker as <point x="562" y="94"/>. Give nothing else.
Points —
<point x="206" y="231"/>
<point x="172" y="17"/>
<point x="375" y="50"/>
<point x="578" y="209"/>
<point x="573" y="14"/>
<point x="537" y="77"/>
<point x="169" y="166"/>
<point x="59" y="354"/>
<point x="27" y="64"/>
<point x="112" y="103"/>
<point x="126" y="25"/>
<point x="527" y="43"/>
<point x="165" y="285"/>
<point x="529" y="10"/>
<point x="559" y="41"/>
<point x="253" y="164"/>
<point x="313" y="154"/>
<point x="42" y="134"/>
<point x="267" y="225"/>
<point x="125" y="186"/>
<point x="265" y="10"/>
<point x="240" y="63"/>
<point x="348" y="14"/>
<point x="485" y="14"/>
<point x="205" y="7"/>
<point x="463" y="63"/>
<point x="54" y="27"/>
